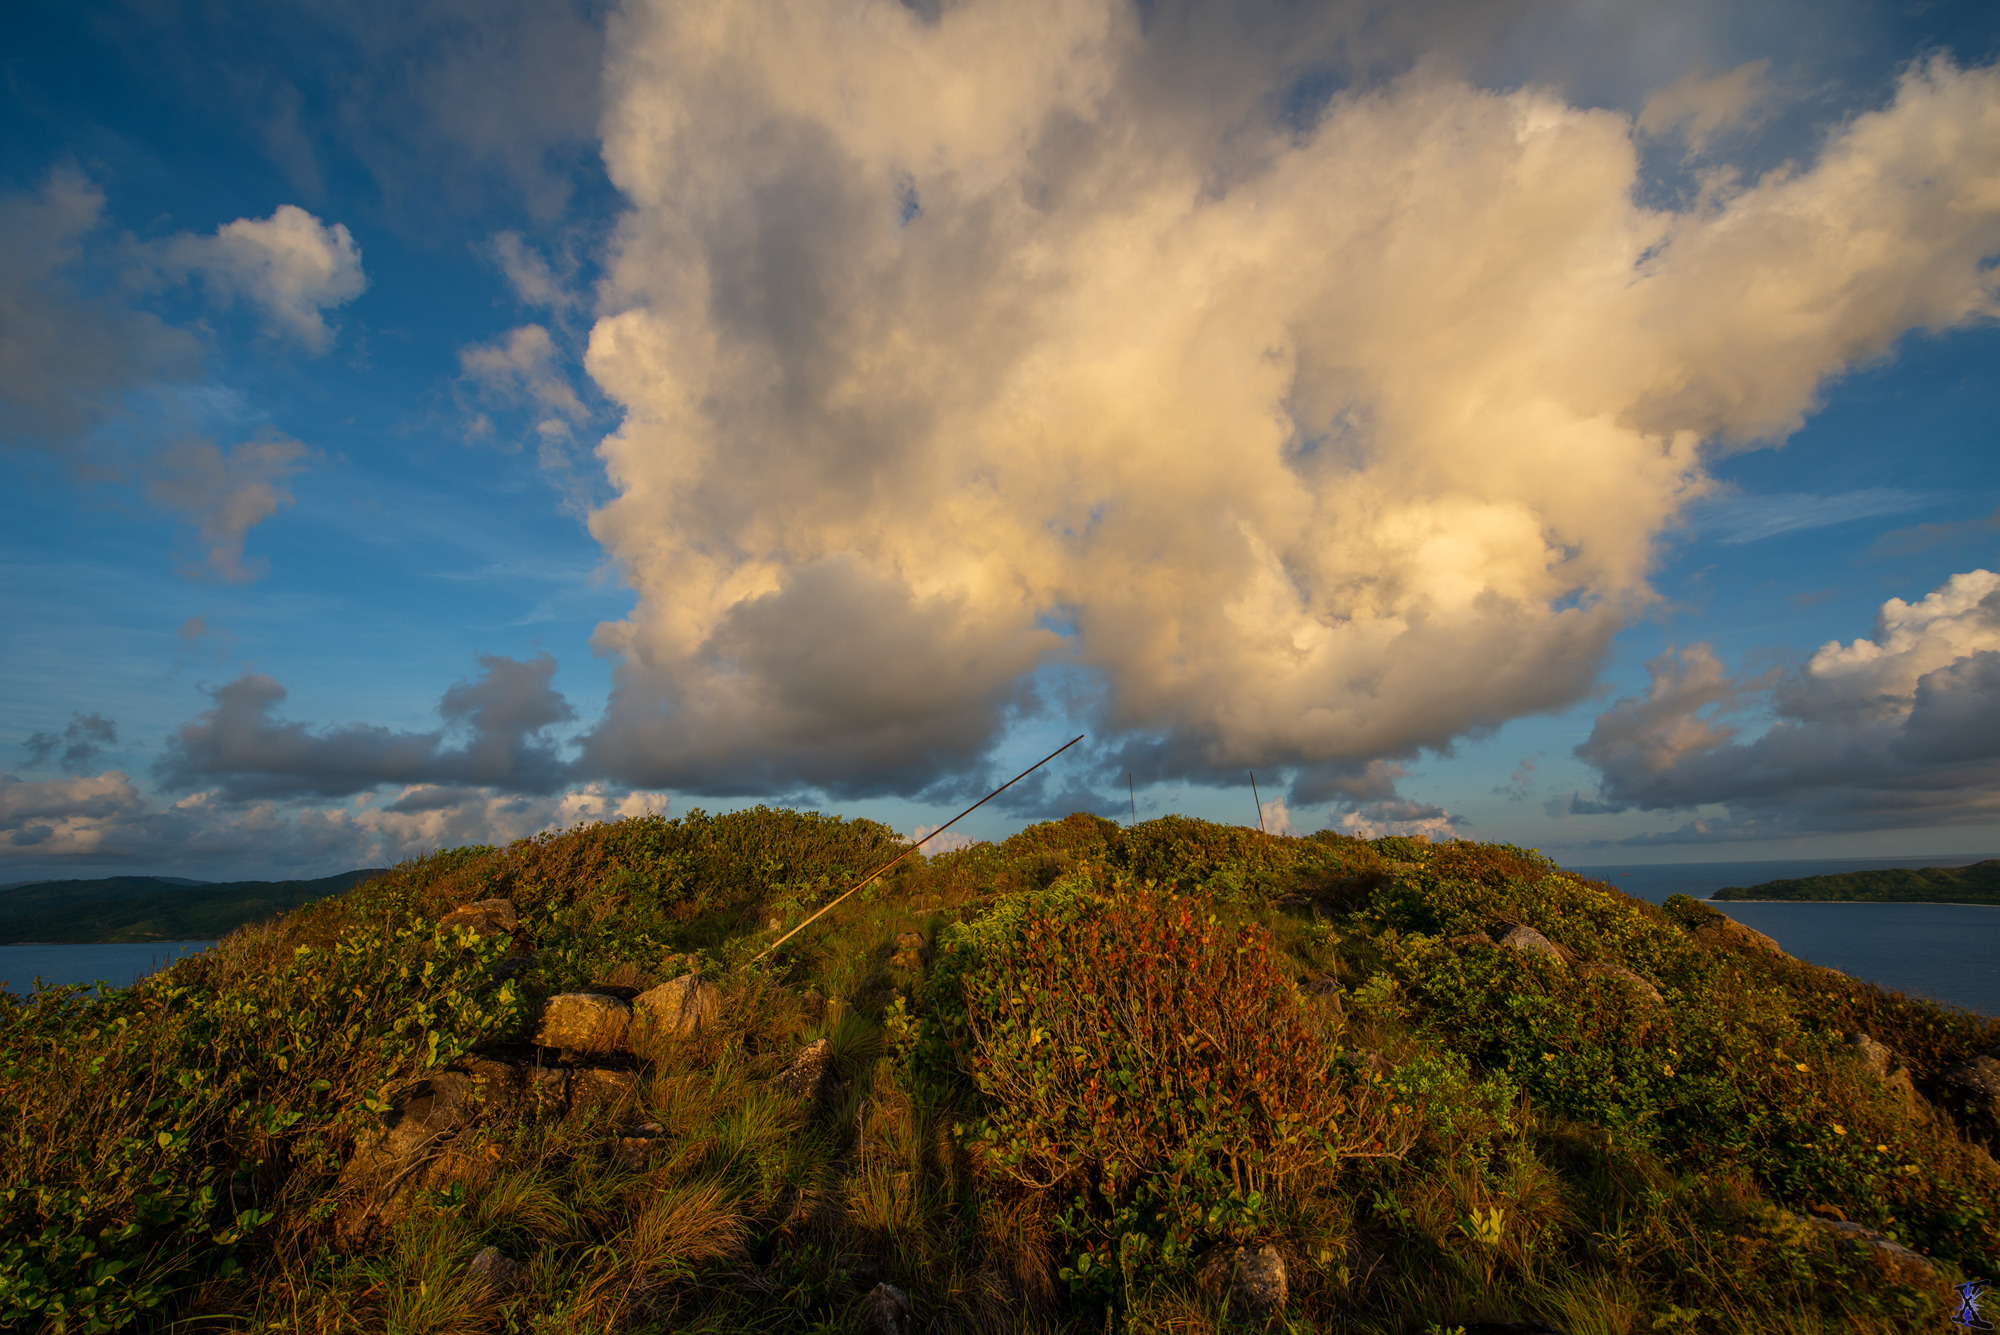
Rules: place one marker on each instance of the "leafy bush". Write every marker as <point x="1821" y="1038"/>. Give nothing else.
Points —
<point x="150" y="1131"/>
<point x="1154" y="1067"/>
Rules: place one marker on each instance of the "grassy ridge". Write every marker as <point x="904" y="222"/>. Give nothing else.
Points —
<point x="146" y="908"/>
<point x="1976" y="884"/>
<point x="1118" y="1055"/>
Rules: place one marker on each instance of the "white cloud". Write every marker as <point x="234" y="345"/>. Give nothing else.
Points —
<point x="1702" y="106"/>
<point x="1898" y="730"/>
<point x="1277" y="817"/>
<point x="1738" y="519"/>
<point x="1331" y="444"/>
<point x="103" y="823"/>
<point x="948" y="842"/>
<point x="1378" y="820"/>
<point x="534" y="280"/>
<point x="225" y="495"/>
<point x="290" y="266"/>
<point x="526" y="368"/>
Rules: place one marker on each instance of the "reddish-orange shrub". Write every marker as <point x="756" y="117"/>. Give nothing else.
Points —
<point x="1155" y="1063"/>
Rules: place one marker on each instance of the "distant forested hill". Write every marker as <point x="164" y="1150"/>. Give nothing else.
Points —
<point x="1976" y="884"/>
<point x="153" y="908"/>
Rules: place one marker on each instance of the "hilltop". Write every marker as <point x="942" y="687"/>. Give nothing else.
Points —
<point x="153" y="908"/>
<point x="1976" y="884"/>
<point x="1177" y="1076"/>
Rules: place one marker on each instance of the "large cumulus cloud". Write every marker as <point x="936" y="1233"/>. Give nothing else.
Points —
<point x="1897" y="730"/>
<point x="973" y="367"/>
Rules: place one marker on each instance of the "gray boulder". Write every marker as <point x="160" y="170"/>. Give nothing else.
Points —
<point x="1531" y="942"/>
<point x="486" y="917"/>
<point x="1895" y="1260"/>
<point x="1884" y="1065"/>
<point x="1637" y="982"/>
<point x="496" y="1275"/>
<point x="912" y="951"/>
<point x="886" y="1310"/>
<point x="678" y="1007"/>
<point x="598" y="1087"/>
<point x="410" y="1149"/>
<point x="585" y="1022"/>
<point x="637" y="1143"/>
<point x="1253" y="1277"/>
<point x="811" y="1076"/>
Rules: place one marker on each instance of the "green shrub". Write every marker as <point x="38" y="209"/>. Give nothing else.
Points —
<point x="150" y="1131"/>
<point x="1153" y="1067"/>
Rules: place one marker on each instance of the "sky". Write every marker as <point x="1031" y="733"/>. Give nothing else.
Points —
<point x="1564" y="423"/>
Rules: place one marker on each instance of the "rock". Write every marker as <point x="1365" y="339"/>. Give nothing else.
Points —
<point x="497" y="1086"/>
<point x="811" y="1075"/>
<point x="548" y="1090"/>
<point x="596" y="1087"/>
<point x="616" y="991"/>
<point x="679" y="1007"/>
<point x="637" y="1143"/>
<point x="486" y="917"/>
<point x="405" y="1152"/>
<point x="496" y="1274"/>
<point x="1373" y="1062"/>
<point x="513" y="966"/>
<point x="886" y="1310"/>
<point x="1976" y="1081"/>
<point x="1638" y="982"/>
<point x="585" y="1022"/>
<point x="1254" y="1276"/>
<point x="1972" y="1090"/>
<point x="1876" y="1058"/>
<point x="1324" y="992"/>
<point x="1722" y="930"/>
<point x="1259" y="1290"/>
<point x="912" y="951"/>
<point x="1882" y="1063"/>
<point x="1896" y="1261"/>
<point x="1532" y="942"/>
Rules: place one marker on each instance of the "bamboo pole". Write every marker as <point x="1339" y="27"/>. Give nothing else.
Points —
<point x="1258" y="798"/>
<point x="919" y="844"/>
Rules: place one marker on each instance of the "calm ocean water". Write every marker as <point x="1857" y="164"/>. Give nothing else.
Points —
<point x="1949" y="952"/>
<point x="119" y="965"/>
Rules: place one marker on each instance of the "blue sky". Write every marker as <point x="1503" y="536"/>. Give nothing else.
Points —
<point x="427" y="425"/>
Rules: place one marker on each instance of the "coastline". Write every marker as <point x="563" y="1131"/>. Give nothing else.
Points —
<point x="1948" y="903"/>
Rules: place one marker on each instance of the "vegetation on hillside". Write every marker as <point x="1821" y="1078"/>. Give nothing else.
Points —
<point x="1976" y="884"/>
<point x="150" y="908"/>
<point x="1073" y="1074"/>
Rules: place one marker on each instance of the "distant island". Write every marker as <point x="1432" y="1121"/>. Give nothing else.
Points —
<point x="153" y="908"/>
<point x="1976" y="884"/>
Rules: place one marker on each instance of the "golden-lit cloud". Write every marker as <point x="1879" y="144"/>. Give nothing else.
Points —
<point x="1895" y="730"/>
<point x="962" y="378"/>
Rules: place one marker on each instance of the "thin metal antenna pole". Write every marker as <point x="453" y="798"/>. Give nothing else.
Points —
<point x="917" y="845"/>
<point x="1258" y="798"/>
<point x="1134" y="792"/>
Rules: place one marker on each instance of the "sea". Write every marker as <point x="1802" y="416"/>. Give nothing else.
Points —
<point x="1947" y="952"/>
<point x="120" y="964"/>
